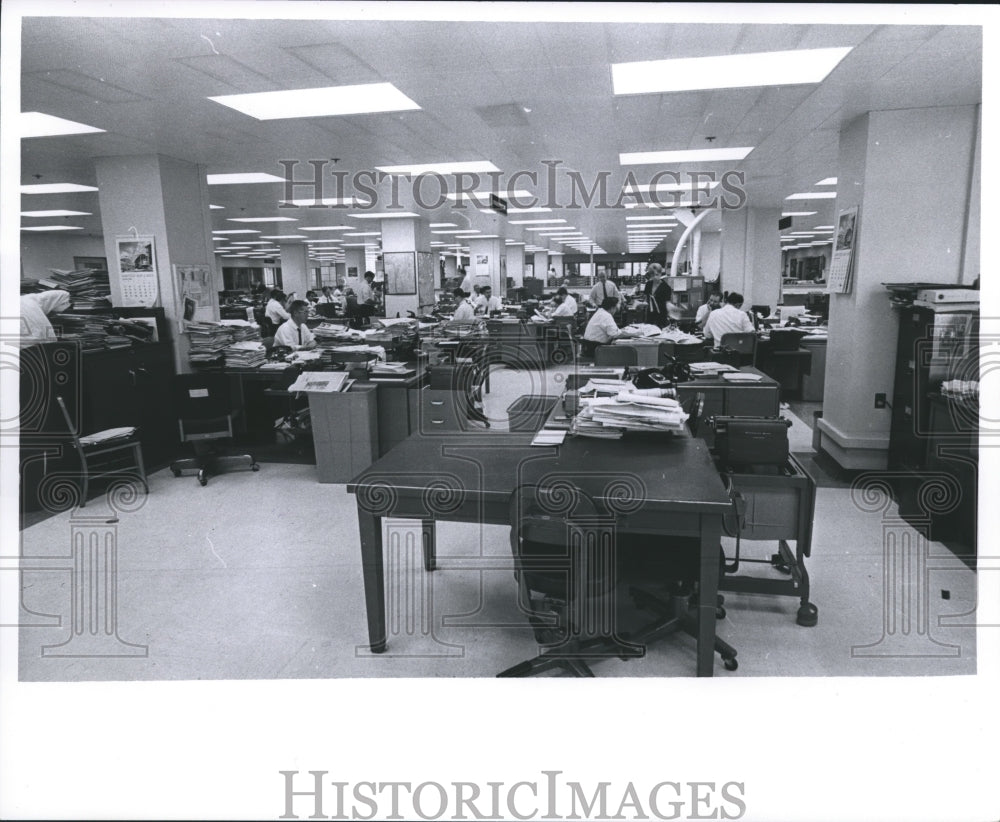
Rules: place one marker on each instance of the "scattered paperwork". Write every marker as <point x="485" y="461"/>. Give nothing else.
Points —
<point x="611" y="417"/>
<point x="548" y="436"/>
<point x="108" y="436"/>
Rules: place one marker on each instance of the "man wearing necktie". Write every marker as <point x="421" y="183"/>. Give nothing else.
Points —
<point x="294" y="333"/>
<point x="603" y="289"/>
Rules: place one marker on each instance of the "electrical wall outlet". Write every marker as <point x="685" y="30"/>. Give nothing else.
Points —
<point x="880" y="400"/>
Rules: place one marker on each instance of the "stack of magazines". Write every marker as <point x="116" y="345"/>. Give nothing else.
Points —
<point x="245" y="354"/>
<point x="611" y="417"/>
<point x="208" y="341"/>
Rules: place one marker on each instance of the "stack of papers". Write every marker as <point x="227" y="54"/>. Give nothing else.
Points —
<point x="208" y="340"/>
<point x="89" y="288"/>
<point x="606" y="387"/>
<point x="392" y="370"/>
<point x="741" y="376"/>
<point x="246" y="354"/>
<point x="639" y="412"/>
<point x="678" y="336"/>
<point x="110" y="435"/>
<point x="549" y="437"/>
<point x="642" y="330"/>
<point x="709" y="369"/>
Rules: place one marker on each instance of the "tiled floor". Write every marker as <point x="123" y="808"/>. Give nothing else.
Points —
<point x="257" y="576"/>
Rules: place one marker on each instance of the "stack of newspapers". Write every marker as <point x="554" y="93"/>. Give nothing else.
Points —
<point x="611" y="417"/>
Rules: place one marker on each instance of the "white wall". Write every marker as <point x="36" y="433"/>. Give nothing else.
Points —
<point x="42" y="251"/>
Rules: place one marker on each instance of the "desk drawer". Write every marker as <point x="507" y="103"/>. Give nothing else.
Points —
<point x="438" y="411"/>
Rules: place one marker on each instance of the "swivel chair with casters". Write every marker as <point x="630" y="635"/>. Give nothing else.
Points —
<point x="665" y="352"/>
<point x="743" y="346"/>
<point x="615" y="355"/>
<point x="205" y="416"/>
<point x="103" y="454"/>
<point x="560" y="598"/>
<point x="664" y="580"/>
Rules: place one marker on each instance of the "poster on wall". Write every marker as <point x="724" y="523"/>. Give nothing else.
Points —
<point x="842" y="266"/>
<point x="193" y="291"/>
<point x="136" y="259"/>
<point x="400" y="273"/>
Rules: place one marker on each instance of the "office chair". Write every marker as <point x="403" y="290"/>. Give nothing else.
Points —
<point x="94" y="450"/>
<point x="615" y="355"/>
<point x="743" y="345"/>
<point x="543" y="536"/>
<point x="205" y="416"/>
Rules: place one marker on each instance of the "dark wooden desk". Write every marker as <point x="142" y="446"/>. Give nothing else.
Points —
<point x="650" y="484"/>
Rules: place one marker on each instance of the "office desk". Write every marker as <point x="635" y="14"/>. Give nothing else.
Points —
<point x="652" y="484"/>
<point x="731" y="399"/>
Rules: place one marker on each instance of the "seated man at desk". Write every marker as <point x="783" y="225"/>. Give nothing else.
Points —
<point x="714" y="302"/>
<point x="565" y="304"/>
<point x="486" y="303"/>
<point x="294" y="333"/>
<point x="275" y="308"/>
<point x="466" y="310"/>
<point x="602" y="328"/>
<point x="331" y="297"/>
<point x="728" y="320"/>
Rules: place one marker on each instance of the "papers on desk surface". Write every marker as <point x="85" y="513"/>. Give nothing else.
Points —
<point x="110" y="435"/>
<point x="706" y="369"/>
<point x="548" y="436"/>
<point x="324" y="382"/>
<point x="611" y="417"/>
<point x="741" y="376"/>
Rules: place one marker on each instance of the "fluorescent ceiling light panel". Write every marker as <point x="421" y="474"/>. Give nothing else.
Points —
<point x="216" y="207"/>
<point x="329" y="101"/>
<point x="700" y="185"/>
<point x="283" y="236"/>
<point x="823" y="228"/>
<point x="325" y="227"/>
<point x="55" y="188"/>
<point x="363" y="234"/>
<point x="382" y="215"/>
<point x="36" y="124"/>
<point x="827" y="181"/>
<point x="515" y="210"/>
<point x="456" y="231"/>
<point x="768" y="68"/>
<point x="56" y="212"/>
<point x="242" y="179"/>
<point x="263" y="219"/>
<point x="472" y="167"/>
<point x="484" y="196"/>
<point x="645" y="219"/>
<point x="255" y="242"/>
<point x="812" y="195"/>
<point x="235" y="231"/>
<point x="698" y="155"/>
<point x="535" y="221"/>
<point x="328" y="201"/>
<point x="441" y="225"/>
<point x="797" y="213"/>
<point x="51" y="227"/>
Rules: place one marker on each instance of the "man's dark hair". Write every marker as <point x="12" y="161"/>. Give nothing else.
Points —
<point x="608" y="303"/>
<point x="735" y="298"/>
<point x="459" y="293"/>
<point x="277" y="294"/>
<point x="369" y="274"/>
<point x="562" y="290"/>
<point x="298" y="305"/>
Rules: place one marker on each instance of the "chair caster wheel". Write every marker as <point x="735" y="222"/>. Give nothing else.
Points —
<point x="255" y="467"/>
<point x="175" y="471"/>
<point x="730" y="663"/>
<point x="720" y="613"/>
<point x="202" y="478"/>
<point x="780" y="564"/>
<point x="808" y="615"/>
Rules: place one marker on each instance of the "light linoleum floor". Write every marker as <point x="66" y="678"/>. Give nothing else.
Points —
<point x="257" y="576"/>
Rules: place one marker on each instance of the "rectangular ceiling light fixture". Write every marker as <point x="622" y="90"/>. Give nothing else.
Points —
<point x="235" y="231"/>
<point x="330" y="101"/>
<point x="328" y="201"/>
<point x="242" y="179"/>
<point x="262" y="219"/>
<point x="827" y="181"/>
<point x="51" y="227"/>
<point x="797" y="213"/>
<point x="535" y="221"/>
<point x="55" y="188"/>
<point x="56" y="212"/>
<point x="472" y="167"/>
<point x="215" y="207"/>
<point x="36" y="124"/>
<point x="325" y="227"/>
<point x="382" y="215"/>
<point x="698" y="155"/>
<point x="813" y="195"/>
<point x="767" y="68"/>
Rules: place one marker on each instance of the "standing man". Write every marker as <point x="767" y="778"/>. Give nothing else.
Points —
<point x="603" y="289"/>
<point x="366" y="294"/>
<point x="294" y="333"/>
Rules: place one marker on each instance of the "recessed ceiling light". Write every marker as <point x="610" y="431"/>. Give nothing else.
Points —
<point x="262" y="219"/>
<point x="283" y="236"/>
<point x="701" y="185"/>
<point x="471" y="167"/>
<point x="217" y="207"/>
<point x="797" y="213"/>
<point x="331" y="101"/>
<point x="441" y="225"/>
<point x="56" y="212"/>
<point x="36" y="124"/>
<point x="535" y="221"/>
<point x="812" y="195"/>
<point x="640" y="218"/>
<point x="823" y="228"/>
<point x="51" y="227"/>
<point x="54" y="188"/>
<point x="363" y="234"/>
<point x="242" y="179"/>
<point x="827" y="181"/>
<point x="699" y="155"/>
<point x="328" y="201"/>
<point x="515" y="210"/>
<point x="325" y="227"/>
<point x="456" y="231"/>
<point x="770" y="68"/>
<point x="235" y="231"/>
<point x="382" y="215"/>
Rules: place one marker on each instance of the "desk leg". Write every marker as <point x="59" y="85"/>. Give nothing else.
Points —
<point x="708" y="591"/>
<point x="430" y="546"/>
<point x="370" y="529"/>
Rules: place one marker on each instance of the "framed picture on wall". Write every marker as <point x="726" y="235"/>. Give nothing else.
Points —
<point x="91" y="263"/>
<point x="400" y="272"/>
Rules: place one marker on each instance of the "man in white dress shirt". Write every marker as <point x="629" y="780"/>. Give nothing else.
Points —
<point x="294" y="333"/>
<point x="603" y="289"/>
<point x="567" y="304"/>
<point x="486" y="303"/>
<point x="35" y="310"/>
<point x="465" y="311"/>
<point x="728" y="320"/>
<point x="602" y="328"/>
